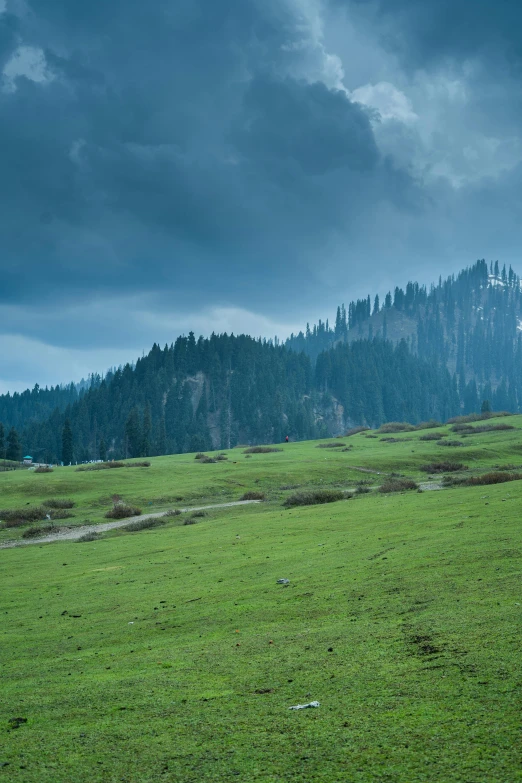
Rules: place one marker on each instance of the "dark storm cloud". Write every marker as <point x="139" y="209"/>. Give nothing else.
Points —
<point x="169" y="145"/>
<point x="427" y="31"/>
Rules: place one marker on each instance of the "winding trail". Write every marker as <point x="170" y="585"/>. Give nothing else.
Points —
<point x="73" y="534"/>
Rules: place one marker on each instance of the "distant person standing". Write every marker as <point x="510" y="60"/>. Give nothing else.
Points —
<point x="287" y="439"/>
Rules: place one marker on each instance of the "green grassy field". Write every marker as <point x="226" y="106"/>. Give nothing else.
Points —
<point x="173" y="655"/>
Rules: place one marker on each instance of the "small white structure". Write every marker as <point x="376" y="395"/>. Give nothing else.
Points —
<point x="28" y="460"/>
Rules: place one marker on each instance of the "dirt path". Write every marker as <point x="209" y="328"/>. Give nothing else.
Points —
<point x="72" y="534"/>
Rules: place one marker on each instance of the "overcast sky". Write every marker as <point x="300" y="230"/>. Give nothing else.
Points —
<point x="242" y="165"/>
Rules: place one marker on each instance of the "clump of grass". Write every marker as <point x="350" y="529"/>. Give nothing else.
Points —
<point x="261" y="450"/>
<point x="432" y="436"/>
<point x="221" y="457"/>
<point x="355" y="430"/>
<point x="331" y="445"/>
<point x="92" y="536"/>
<point x="451" y="443"/>
<point x="467" y="429"/>
<point x="39" y="530"/>
<point x="349" y="447"/>
<point x="371" y="436"/>
<point x="198" y="514"/>
<point x="145" y="524"/>
<point x="391" y="440"/>
<point x="43" y="469"/>
<point x="443" y="467"/>
<point x="17" y="517"/>
<point x="398" y="485"/>
<point x="314" y="497"/>
<point x="495" y="477"/>
<point x="395" y="426"/>
<point x="58" y="503"/>
<point x="253" y="495"/>
<point x="122" y="510"/>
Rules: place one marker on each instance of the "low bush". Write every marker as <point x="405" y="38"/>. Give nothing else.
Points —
<point x="395" y="426"/>
<point x="348" y="448"/>
<point x="144" y="524"/>
<point x="331" y="445"/>
<point x="197" y="514"/>
<point x="58" y="503"/>
<point x="261" y="450"/>
<point x="428" y="425"/>
<point x="204" y="460"/>
<point x="355" y="430"/>
<point x="172" y="512"/>
<point x="61" y="514"/>
<point x="254" y="495"/>
<point x="495" y="477"/>
<point x="114" y="464"/>
<point x="370" y="436"/>
<point x="122" y="510"/>
<point x="16" y="517"/>
<point x="432" y="436"/>
<point x="451" y="443"/>
<point x="392" y="440"/>
<point x="398" y="485"/>
<point x="43" y="469"/>
<point x="314" y="497"/>
<point x="470" y="417"/>
<point x="39" y="530"/>
<point x="467" y="429"/>
<point x="362" y="490"/>
<point x="443" y="467"/>
<point x="221" y="457"/>
<point x="190" y="521"/>
<point x="200" y="455"/>
<point x="92" y="536"/>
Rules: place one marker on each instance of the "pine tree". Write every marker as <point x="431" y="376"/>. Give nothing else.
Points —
<point x="103" y="450"/>
<point x="133" y="438"/>
<point x="146" y="432"/>
<point x="2" y="441"/>
<point x="67" y="443"/>
<point x="14" y="449"/>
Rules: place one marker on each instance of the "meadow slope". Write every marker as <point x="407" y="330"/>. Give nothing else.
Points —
<point x="173" y="654"/>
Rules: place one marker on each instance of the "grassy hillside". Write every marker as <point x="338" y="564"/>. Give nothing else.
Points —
<point x="173" y="654"/>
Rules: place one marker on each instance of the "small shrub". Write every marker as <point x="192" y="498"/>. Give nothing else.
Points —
<point x="362" y="490"/>
<point x="398" y="485"/>
<point x="428" y="425"/>
<point x="392" y="440"/>
<point x="496" y="477"/>
<point x="37" y="530"/>
<point x="101" y="466"/>
<point x="206" y="460"/>
<point x="261" y="450"/>
<point x="370" y="436"/>
<point x="470" y="417"/>
<point x="59" y="514"/>
<point x="355" y="430"/>
<point x="432" y="436"/>
<point x="172" y="512"/>
<point x="144" y="524"/>
<point x="314" y="497"/>
<point x="143" y="464"/>
<point x="349" y="447"/>
<point x="122" y="510"/>
<point x="451" y="443"/>
<point x="443" y="467"/>
<point x="396" y="426"/>
<point x="331" y="445"/>
<point x="253" y="496"/>
<point x="248" y="456"/>
<point x="43" y="469"/>
<point x="190" y="521"/>
<point x="197" y="514"/>
<point x="200" y="455"/>
<point x="92" y="536"/>
<point x="58" y="503"/>
<point x="467" y="429"/>
<point x="16" y="517"/>
<point x="221" y="457"/>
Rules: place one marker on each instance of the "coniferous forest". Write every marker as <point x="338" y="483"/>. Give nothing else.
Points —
<point x="417" y="355"/>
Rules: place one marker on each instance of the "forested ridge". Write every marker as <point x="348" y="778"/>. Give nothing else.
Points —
<point x="421" y="355"/>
